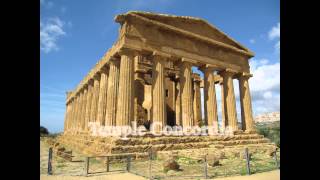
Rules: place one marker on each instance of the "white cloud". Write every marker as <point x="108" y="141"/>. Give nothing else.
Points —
<point x="273" y="34"/>
<point x="252" y="41"/>
<point x="265" y="86"/>
<point x="50" y="31"/>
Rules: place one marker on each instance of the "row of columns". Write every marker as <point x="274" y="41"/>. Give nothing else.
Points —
<point x="109" y="97"/>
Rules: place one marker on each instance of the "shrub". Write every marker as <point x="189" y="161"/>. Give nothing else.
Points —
<point x="43" y="131"/>
<point x="270" y="131"/>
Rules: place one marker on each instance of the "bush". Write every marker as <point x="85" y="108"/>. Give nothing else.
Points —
<point x="43" y="131"/>
<point x="270" y="131"/>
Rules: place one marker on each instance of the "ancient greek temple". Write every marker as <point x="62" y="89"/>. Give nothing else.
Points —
<point x="146" y="76"/>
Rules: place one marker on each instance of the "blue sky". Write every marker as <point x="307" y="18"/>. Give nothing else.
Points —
<point x="74" y="34"/>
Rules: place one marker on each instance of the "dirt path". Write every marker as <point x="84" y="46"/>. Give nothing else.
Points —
<point x="74" y="170"/>
<point x="117" y="176"/>
<point x="271" y="175"/>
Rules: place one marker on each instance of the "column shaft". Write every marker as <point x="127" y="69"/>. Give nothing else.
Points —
<point x="102" y="98"/>
<point x="126" y="91"/>
<point x="158" y="93"/>
<point x="95" y="98"/>
<point x="66" y="117"/>
<point x="229" y="100"/>
<point x="83" y="109"/>
<point x="224" y="123"/>
<point x="210" y="101"/>
<point x="112" y="95"/>
<point x="246" y="107"/>
<point x="186" y="94"/>
<point x="88" y="105"/>
<point x="71" y="115"/>
<point x="178" y="103"/>
<point x="80" y="111"/>
<point x="197" y="103"/>
<point x="76" y="113"/>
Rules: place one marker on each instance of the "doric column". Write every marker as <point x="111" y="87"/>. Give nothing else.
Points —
<point x="186" y="94"/>
<point x="224" y="123"/>
<point x="88" y="104"/>
<point x="71" y="112"/>
<point x="245" y="101"/>
<point x="229" y="100"/>
<point x="79" y="121"/>
<point x="66" y="116"/>
<point x="126" y="90"/>
<point x="178" y="103"/>
<point x="197" y="102"/>
<point x="112" y="94"/>
<point x="158" y="91"/>
<point x="210" y="101"/>
<point x="76" y="112"/>
<point x="84" y="106"/>
<point x="95" y="98"/>
<point x="102" y="102"/>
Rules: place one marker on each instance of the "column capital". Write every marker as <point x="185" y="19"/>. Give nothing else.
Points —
<point x="188" y="60"/>
<point x="228" y="72"/>
<point x="196" y="77"/>
<point x="104" y="69"/>
<point x="96" y="76"/>
<point x="128" y="52"/>
<point x="90" y="81"/>
<point x="161" y="54"/>
<point x="218" y="79"/>
<point x="243" y="75"/>
<point x="208" y="68"/>
<point x="84" y="86"/>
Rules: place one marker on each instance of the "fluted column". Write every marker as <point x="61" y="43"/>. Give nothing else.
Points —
<point x="79" y="121"/>
<point x="224" y="122"/>
<point x="88" y="104"/>
<point x="84" y="104"/>
<point x="102" y="102"/>
<point x="76" y="112"/>
<point x="186" y="94"/>
<point x="245" y="101"/>
<point x="126" y="91"/>
<point x="138" y="83"/>
<point x="71" y="114"/>
<point x="95" y="98"/>
<point x="197" y="102"/>
<point x="178" y="103"/>
<point x="158" y="92"/>
<point x="66" y="116"/>
<point x="112" y="94"/>
<point x="210" y="101"/>
<point x="229" y="100"/>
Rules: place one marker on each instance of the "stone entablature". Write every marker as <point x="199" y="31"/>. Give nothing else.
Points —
<point x="158" y="51"/>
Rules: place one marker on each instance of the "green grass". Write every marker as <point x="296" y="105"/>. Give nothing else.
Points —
<point x="186" y="160"/>
<point x="270" y="131"/>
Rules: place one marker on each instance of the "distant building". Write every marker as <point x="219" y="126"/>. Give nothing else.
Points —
<point x="267" y="117"/>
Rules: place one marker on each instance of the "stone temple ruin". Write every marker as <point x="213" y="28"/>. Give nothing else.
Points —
<point x="146" y="77"/>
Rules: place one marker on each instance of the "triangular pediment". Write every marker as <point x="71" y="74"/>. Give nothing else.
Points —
<point x="194" y="25"/>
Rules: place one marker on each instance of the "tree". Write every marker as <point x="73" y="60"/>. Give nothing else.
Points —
<point x="43" y="131"/>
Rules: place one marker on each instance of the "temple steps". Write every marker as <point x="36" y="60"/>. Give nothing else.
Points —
<point x="110" y="145"/>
